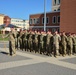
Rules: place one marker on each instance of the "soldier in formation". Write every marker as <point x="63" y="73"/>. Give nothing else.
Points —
<point x="44" y="42"/>
<point x="48" y="43"/>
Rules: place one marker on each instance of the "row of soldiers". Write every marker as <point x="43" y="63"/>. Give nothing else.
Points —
<point x="45" y="42"/>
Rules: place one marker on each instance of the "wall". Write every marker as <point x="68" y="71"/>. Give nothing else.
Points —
<point x="1" y="19"/>
<point x="49" y="15"/>
<point x="68" y="16"/>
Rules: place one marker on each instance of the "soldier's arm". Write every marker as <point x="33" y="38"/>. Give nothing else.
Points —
<point x="59" y="37"/>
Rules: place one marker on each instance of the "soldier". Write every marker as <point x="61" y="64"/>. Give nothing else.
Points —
<point x="44" y="43"/>
<point x="11" y="35"/>
<point x="16" y="39"/>
<point x="36" y="41"/>
<point x="49" y="43"/>
<point x="20" y="38"/>
<point x="25" y="39"/>
<point x="74" y="43"/>
<point x="30" y="41"/>
<point x="56" y="40"/>
<point x="41" y="42"/>
<point x="63" y="43"/>
<point x="60" y="44"/>
<point x="70" y="44"/>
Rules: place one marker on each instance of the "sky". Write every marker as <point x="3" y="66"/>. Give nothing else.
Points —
<point x="23" y="8"/>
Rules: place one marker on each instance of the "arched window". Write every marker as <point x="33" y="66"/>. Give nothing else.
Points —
<point x="54" y="2"/>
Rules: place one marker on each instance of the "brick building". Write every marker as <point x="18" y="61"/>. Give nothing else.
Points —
<point x="56" y="5"/>
<point x="7" y="20"/>
<point x="68" y="16"/>
<point x="52" y="21"/>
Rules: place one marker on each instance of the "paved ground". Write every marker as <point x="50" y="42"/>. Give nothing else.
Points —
<point x="26" y="63"/>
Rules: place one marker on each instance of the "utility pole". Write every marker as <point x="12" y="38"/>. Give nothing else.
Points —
<point x="44" y="15"/>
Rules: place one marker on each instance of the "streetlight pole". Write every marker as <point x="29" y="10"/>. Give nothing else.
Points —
<point x="44" y="15"/>
<point x="23" y="24"/>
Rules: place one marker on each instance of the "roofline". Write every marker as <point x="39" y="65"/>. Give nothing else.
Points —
<point x="19" y="18"/>
<point x="46" y="12"/>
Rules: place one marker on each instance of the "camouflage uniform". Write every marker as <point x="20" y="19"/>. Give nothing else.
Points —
<point x="16" y="39"/>
<point x="20" y="38"/>
<point x="11" y="35"/>
<point x="25" y="40"/>
<point x="63" y="44"/>
<point x="74" y="43"/>
<point x="70" y="44"/>
<point x="36" y="42"/>
<point x="41" y="42"/>
<point x="49" y="43"/>
<point x="56" y="40"/>
<point x="30" y="41"/>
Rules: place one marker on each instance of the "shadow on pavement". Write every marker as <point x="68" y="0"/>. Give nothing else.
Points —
<point x="4" y="53"/>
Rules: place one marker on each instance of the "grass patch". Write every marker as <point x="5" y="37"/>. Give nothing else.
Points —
<point x="3" y="39"/>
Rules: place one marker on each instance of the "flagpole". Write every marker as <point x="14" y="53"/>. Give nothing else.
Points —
<point x="44" y="15"/>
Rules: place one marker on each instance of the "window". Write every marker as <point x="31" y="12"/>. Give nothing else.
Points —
<point x="58" y="19"/>
<point x="54" y="10"/>
<point x="43" y="20"/>
<point x="59" y="1"/>
<point x="54" y="20"/>
<point x="34" y="21"/>
<point x="30" y="21"/>
<point x="54" y="2"/>
<point x="38" y="20"/>
<point x="47" y="20"/>
<point x="58" y="9"/>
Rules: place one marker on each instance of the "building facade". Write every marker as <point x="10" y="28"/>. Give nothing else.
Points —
<point x="1" y="19"/>
<point x="68" y="16"/>
<point x="7" y="20"/>
<point x="4" y="19"/>
<point x="20" y="23"/>
<point x="56" y="5"/>
<point x="52" y="21"/>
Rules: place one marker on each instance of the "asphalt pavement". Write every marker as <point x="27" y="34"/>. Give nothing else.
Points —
<point x="26" y="63"/>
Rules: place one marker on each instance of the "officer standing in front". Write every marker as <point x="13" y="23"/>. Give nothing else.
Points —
<point x="11" y="36"/>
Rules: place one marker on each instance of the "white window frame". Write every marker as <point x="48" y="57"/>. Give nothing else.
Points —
<point x="46" y="20"/>
<point x="31" y="21"/>
<point x="55" y="3"/>
<point x="37" y="19"/>
<point x="53" y="19"/>
<point x="57" y="19"/>
<point x="58" y="2"/>
<point x="42" y="20"/>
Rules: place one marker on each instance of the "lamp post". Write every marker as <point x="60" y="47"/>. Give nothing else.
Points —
<point x="44" y="15"/>
<point x="23" y="24"/>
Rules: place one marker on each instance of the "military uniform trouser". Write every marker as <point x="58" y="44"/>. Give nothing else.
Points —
<point x="20" y="43"/>
<point x="30" y="45"/>
<point x="12" y="47"/>
<point x="64" y="49"/>
<point x="70" y="49"/>
<point x="44" y="47"/>
<point x="48" y="49"/>
<point x="25" y="45"/>
<point x="36" y="46"/>
<point x="41" y="47"/>
<point x="56" y="49"/>
<point x="74" y="48"/>
<point x="16" y="43"/>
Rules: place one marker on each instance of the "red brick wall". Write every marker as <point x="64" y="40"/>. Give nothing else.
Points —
<point x="7" y="20"/>
<point x="40" y="16"/>
<point x="68" y="16"/>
